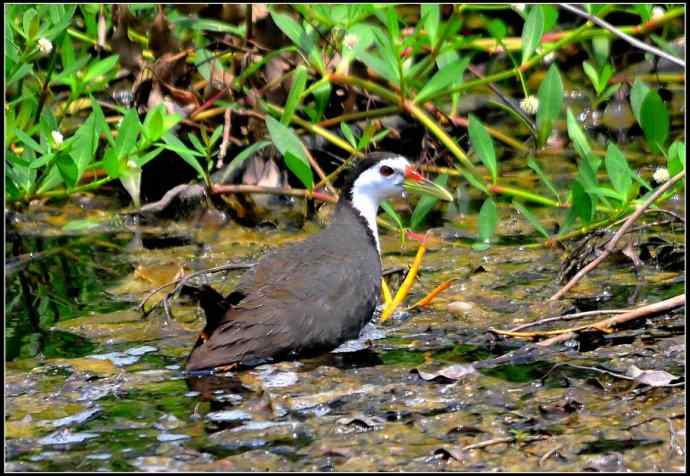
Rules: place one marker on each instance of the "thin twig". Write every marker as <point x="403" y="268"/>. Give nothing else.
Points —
<point x="612" y="243"/>
<point x="548" y="454"/>
<point x="643" y="311"/>
<point x="507" y="439"/>
<point x="567" y="317"/>
<point x="633" y="41"/>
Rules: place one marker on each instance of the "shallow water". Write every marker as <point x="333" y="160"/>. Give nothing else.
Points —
<point x="92" y="385"/>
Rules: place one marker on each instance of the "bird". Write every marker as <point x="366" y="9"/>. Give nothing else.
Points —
<point x="309" y="297"/>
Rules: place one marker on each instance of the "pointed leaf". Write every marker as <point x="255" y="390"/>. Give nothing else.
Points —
<point x="637" y="94"/>
<point x="488" y="219"/>
<point x="443" y="78"/>
<point x="654" y="120"/>
<point x="299" y="80"/>
<point x="483" y="145"/>
<point x="618" y="170"/>
<point x="550" y="102"/>
<point x="292" y="150"/>
<point x="532" y="32"/>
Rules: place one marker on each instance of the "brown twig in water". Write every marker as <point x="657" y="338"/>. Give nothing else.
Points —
<point x="567" y="317"/>
<point x="548" y="454"/>
<point x="633" y="41"/>
<point x="507" y="439"/>
<point x="643" y="311"/>
<point x="610" y="246"/>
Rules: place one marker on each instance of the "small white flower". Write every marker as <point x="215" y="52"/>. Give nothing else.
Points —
<point x="548" y="59"/>
<point x="350" y="41"/>
<point x="131" y="164"/>
<point x="658" y="12"/>
<point x="57" y="138"/>
<point x="45" y="46"/>
<point x="518" y="7"/>
<point x="530" y="105"/>
<point x="661" y="175"/>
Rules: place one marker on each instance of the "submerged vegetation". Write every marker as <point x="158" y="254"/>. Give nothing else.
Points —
<point x="147" y="142"/>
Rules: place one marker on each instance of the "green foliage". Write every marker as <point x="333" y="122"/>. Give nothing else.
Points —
<point x="532" y="32"/>
<point x="488" y="219"/>
<point x="654" y="121"/>
<point x="292" y="150"/>
<point x="550" y="103"/>
<point x="483" y="146"/>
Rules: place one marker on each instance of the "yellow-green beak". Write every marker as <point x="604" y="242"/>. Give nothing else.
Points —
<point x="415" y="182"/>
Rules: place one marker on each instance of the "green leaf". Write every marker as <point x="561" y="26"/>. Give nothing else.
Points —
<point x="50" y="180"/>
<point x="431" y="17"/>
<point x="101" y="124"/>
<point x="426" y="204"/>
<point x="532" y="32"/>
<point x="582" y="203"/>
<point x="347" y="133"/>
<point x="299" y="37"/>
<point x="591" y="74"/>
<point x="300" y="168"/>
<point x="196" y="143"/>
<point x="68" y="169"/>
<point x="390" y="211"/>
<point x="299" y="80"/>
<point x="676" y="158"/>
<point x="497" y="29"/>
<point x="550" y="17"/>
<point x="531" y="218"/>
<point x="29" y="142"/>
<point x="654" y="121"/>
<point x="292" y="150"/>
<point x="142" y="160"/>
<point x="239" y="159"/>
<point x="19" y="73"/>
<point x="100" y="68"/>
<point x="532" y="164"/>
<point x="578" y="137"/>
<point x="442" y="79"/>
<point x="187" y="154"/>
<point x="85" y="144"/>
<point x="128" y="131"/>
<point x="550" y="103"/>
<point x="483" y="145"/>
<point x="637" y="94"/>
<point x="618" y="170"/>
<point x="488" y="219"/>
<point x="153" y="124"/>
<point x="322" y="94"/>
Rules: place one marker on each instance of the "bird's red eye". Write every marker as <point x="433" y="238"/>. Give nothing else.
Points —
<point x="386" y="171"/>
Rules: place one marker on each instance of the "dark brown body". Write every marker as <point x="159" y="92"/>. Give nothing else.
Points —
<point x="304" y="298"/>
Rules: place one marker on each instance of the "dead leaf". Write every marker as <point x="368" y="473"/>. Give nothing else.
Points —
<point x="654" y="378"/>
<point x="453" y="372"/>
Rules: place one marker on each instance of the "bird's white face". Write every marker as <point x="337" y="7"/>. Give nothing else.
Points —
<point x="381" y="181"/>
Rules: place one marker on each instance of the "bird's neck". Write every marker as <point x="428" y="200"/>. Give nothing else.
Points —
<point x="365" y="209"/>
<point x="368" y="207"/>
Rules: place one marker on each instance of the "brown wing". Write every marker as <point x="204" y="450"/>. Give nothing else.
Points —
<point x="309" y="296"/>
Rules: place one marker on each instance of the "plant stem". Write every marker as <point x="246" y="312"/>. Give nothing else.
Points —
<point x="356" y="116"/>
<point x="314" y="129"/>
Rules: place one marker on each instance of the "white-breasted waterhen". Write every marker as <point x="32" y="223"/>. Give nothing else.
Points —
<point x="314" y="295"/>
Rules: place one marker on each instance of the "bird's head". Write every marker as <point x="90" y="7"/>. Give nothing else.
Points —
<point x="383" y="175"/>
